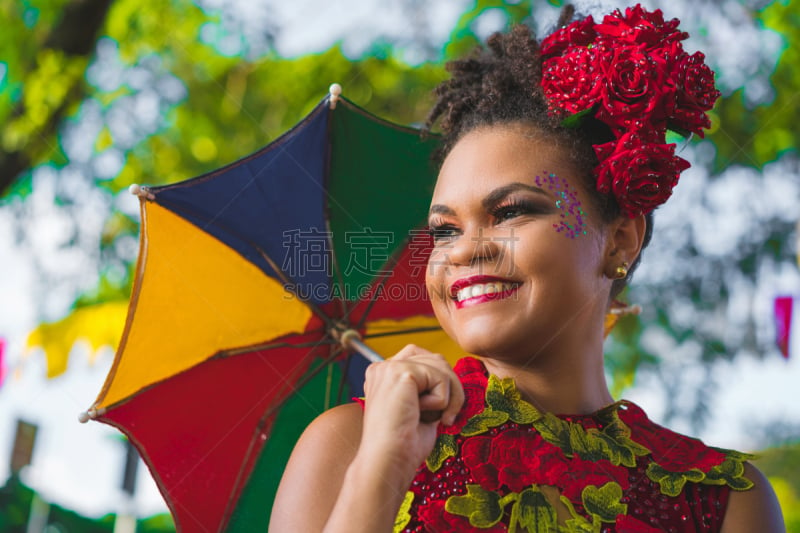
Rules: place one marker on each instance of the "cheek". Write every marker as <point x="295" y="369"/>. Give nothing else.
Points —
<point x="435" y="275"/>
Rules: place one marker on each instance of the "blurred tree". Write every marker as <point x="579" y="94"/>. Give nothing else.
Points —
<point x="46" y="48"/>
<point x="170" y="89"/>
<point x="16" y="498"/>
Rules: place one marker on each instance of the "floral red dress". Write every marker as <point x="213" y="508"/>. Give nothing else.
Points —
<point x="505" y="466"/>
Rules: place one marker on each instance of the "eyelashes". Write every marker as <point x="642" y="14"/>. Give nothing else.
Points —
<point x="441" y="230"/>
<point x="515" y="208"/>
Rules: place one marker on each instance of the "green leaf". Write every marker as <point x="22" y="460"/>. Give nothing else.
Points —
<point x="621" y="449"/>
<point x="672" y="483"/>
<point x="445" y="447"/>
<point x="534" y="512"/>
<point x="578" y="523"/>
<point x="730" y="472"/>
<point x="502" y="395"/>
<point x="576" y="119"/>
<point x="588" y="444"/>
<point x="555" y="431"/>
<point x="403" y="516"/>
<point x="484" y="420"/>
<point x="481" y="507"/>
<point x="604" y="502"/>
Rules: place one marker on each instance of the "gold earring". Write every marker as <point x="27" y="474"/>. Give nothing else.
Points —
<point x="621" y="271"/>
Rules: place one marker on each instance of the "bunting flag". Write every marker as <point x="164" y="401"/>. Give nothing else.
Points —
<point x="98" y="325"/>
<point x="785" y="323"/>
<point x="2" y="360"/>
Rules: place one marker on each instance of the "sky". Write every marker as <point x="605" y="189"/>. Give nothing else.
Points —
<point x="80" y="465"/>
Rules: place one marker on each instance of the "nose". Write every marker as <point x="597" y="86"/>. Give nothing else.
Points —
<point x="475" y="245"/>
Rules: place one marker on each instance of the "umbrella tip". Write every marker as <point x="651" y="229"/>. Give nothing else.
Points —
<point x="335" y="91"/>
<point x="141" y="192"/>
<point x="91" y="414"/>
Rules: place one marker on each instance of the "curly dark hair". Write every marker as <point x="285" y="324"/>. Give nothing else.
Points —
<point x="501" y="84"/>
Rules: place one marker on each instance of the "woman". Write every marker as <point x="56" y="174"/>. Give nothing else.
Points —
<point x="554" y="157"/>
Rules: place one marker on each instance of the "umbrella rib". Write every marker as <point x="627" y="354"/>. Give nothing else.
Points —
<point x="272" y="345"/>
<point x="392" y="263"/>
<point x="290" y="285"/>
<point x="402" y="332"/>
<point x="335" y="267"/>
<point x="345" y="371"/>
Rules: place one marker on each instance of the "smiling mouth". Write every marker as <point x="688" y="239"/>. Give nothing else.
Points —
<point x="484" y="292"/>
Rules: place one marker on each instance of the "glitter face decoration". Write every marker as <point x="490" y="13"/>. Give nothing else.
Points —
<point x="573" y="216"/>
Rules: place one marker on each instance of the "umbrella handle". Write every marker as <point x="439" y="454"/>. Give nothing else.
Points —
<point x="352" y="340"/>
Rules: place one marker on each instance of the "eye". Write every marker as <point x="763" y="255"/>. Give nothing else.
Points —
<point x="441" y="232"/>
<point x="513" y="210"/>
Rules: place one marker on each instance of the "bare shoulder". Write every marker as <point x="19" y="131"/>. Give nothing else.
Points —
<point x="340" y="424"/>
<point x="316" y="469"/>
<point x="756" y="509"/>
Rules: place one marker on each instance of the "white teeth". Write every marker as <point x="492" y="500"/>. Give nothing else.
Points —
<point x="480" y="289"/>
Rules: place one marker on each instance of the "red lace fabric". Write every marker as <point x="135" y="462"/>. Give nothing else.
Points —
<point x="504" y="466"/>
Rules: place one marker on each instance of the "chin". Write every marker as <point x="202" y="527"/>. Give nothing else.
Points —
<point x="485" y="339"/>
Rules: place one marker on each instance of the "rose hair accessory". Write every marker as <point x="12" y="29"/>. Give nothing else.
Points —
<point x="631" y="73"/>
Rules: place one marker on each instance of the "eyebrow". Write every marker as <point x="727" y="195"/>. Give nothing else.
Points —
<point x="491" y="199"/>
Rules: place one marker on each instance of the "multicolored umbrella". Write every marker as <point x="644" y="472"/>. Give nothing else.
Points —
<point x="251" y="282"/>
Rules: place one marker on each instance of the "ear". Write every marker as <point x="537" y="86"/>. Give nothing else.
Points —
<point x="625" y="237"/>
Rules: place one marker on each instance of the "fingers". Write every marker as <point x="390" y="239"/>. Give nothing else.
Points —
<point x="439" y="392"/>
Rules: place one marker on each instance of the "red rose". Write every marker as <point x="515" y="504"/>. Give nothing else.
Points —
<point x="639" y="26"/>
<point x="628" y="524"/>
<point x="473" y="377"/>
<point x="476" y="453"/>
<point x="553" y="465"/>
<point x="640" y="174"/>
<point x="513" y="453"/>
<point x="506" y="459"/>
<point x="634" y="91"/>
<point x="696" y="93"/>
<point x="579" y="33"/>
<point x="570" y="81"/>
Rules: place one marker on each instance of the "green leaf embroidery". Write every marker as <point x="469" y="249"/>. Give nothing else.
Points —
<point x="484" y="420"/>
<point x="555" y="431"/>
<point x="502" y="395"/>
<point x="578" y="523"/>
<point x="616" y="436"/>
<point x="482" y="507"/>
<point x="730" y="472"/>
<point x="403" y="516"/>
<point x="534" y="513"/>
<point x="588" y="444"/>
<point x="613" y="443"/>
<point x="445" y="447"/>
<point x="672" y="483"/>
<point x="604" y="501"/>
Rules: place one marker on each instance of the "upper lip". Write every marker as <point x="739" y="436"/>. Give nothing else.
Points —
<point x="475" y="280"/>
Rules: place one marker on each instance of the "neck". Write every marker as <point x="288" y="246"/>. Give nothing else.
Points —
<point x="565" y="378"/>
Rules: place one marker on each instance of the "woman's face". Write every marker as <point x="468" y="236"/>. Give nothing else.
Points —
<point x="518" y="256"/>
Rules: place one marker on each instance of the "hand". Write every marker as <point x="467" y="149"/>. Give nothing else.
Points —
<point x="396" y="435"/>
